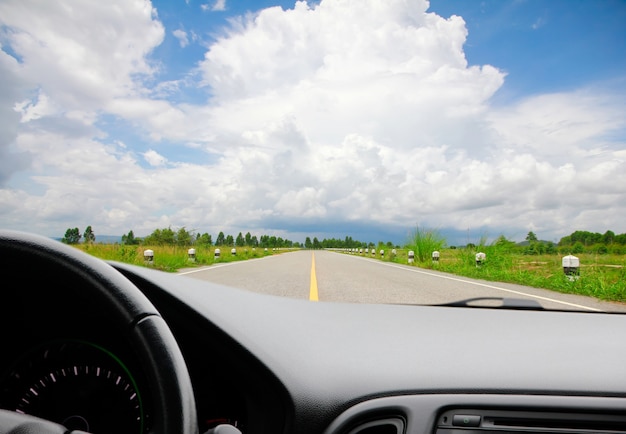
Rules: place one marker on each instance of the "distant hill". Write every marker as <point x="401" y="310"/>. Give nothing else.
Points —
<point x="102" y="239"/>
<point x="108" y="239"/>
<point x="527" y="243"/>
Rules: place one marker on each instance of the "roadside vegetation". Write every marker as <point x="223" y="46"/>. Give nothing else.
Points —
<point x="602" y="271"/>
<point x="173" y="250"/>
<point x="173" y="258"/>
<point x="601" y="276"/>
<point x="536" y="263"/>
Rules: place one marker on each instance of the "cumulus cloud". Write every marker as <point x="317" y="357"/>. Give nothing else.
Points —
<point x="82" y="54"/>
<point x="329" y="114"/>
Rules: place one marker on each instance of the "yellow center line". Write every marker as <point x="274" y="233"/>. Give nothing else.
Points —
<point x="313" y="292"/>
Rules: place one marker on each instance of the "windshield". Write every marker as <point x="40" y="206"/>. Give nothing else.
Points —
<point x="484" y="140"/>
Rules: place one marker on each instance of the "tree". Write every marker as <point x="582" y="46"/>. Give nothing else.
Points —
<point x="129" y="239"/>
<point x="565" y="241"/>
<point x="578" y="247"/>
<point x="204" y="239"/>
<point x="220" y="239"/>
<point x="264" y="241"/>
<point x="608" y="237"/>
<point x="550" y="248"/>
<point x="531" y="237"/>
<point x="535" y="248"/>
<point x="183" y="237"/>
<point x="503" y="244"/>
<point x="240" y="241"/>
<point x="89" y="236"/>
<point x="161" y="237"/>
<point x="230" y="241"/>
<point x="589" y="238"/>
<point x="307" y="243"/>
<point x="72" y="236"/>
<point x="586" y="238"/>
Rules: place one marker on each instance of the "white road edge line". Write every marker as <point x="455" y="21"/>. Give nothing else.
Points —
<point x="512" y="291"/>
<point x="213" y="267"/>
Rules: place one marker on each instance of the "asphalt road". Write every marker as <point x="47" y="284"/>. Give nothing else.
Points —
<point x="327" y="276"/>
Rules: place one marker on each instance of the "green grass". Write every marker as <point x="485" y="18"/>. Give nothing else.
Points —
<point x="601" y="276"/>
<point x="172" y="258"/>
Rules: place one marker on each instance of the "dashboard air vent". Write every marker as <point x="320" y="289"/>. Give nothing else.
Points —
<point x="392" y="425"/>
<point x="474" y="421"/>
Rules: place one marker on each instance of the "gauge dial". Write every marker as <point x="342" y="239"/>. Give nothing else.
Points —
<point x="77" y="384"/>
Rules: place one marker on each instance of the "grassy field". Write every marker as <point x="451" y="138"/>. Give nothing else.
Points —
<point x="172" y="258"/>
<point x="601" y="276"/>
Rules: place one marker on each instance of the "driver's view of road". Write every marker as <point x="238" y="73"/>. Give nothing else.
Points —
<point x="329" y="276"/>
<point x="313" y="216"/>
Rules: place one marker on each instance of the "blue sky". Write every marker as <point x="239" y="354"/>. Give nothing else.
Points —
<point x="545" y="46"/>
<point x="332" y="118"/>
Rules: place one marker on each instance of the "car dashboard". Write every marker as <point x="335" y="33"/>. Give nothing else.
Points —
<point x="267" y="364"/>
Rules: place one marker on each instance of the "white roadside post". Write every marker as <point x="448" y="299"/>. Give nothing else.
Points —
<point x="571" y="267"/>
<point x="411" y="256"/>
<point x="191" y="255"/>
<point x="480" y="258"/>
<point x="435" y="256"/>
<point x="148" y="257"/>
<point x="218" y="252"/>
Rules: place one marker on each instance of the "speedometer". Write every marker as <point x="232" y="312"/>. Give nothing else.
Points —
<point x="77" y="384"/>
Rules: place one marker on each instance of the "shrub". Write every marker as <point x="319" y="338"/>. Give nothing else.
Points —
<point x="424" y="242"/>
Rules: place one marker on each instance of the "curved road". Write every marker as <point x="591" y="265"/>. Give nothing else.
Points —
<point x="330" y="276"/>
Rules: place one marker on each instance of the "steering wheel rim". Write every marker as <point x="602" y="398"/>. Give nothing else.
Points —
<point x="155" y="345"/>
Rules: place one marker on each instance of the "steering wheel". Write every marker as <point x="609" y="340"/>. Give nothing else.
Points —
<point x="155" y="345"/>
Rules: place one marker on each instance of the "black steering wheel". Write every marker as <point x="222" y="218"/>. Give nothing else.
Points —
<point x="159" y="354"/>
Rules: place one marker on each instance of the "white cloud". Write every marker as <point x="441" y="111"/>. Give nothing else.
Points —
<point x="154" y="158"/>
<point x="217" y="6"/>
<point x="82" y="54"/>
<point x="539" y="22"/>
<point x="35" y="109"/>
<point x="346" y="111"/>
<point x="558" y="125"/>
<point x="181" y="35"/>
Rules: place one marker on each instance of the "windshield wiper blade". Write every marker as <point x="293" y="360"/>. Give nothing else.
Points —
<point x="506" y="303"/>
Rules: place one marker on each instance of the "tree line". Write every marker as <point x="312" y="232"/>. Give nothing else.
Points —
<point x="577" y="242"/>
<point x="184" y="238"/>
<point x="594" y="242"/>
